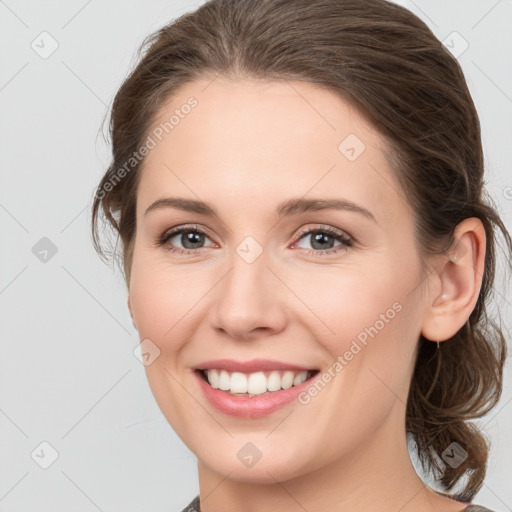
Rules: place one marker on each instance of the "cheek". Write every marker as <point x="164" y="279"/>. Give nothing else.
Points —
<point x="370" y="324"/>
<point x="162" y="298"/>
<point x="162" y="301"/>
<point x="355" y="302"/>
<point x="369" y="377"/>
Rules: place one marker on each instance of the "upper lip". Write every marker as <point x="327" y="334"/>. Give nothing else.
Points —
<point x="254" y="365"/>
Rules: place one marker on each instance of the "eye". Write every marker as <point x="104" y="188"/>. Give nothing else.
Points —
<point x="323" y="238"/>
<point x="191" y="237"/>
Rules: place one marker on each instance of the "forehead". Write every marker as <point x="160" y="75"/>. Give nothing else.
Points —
<point x="258" y="141"/>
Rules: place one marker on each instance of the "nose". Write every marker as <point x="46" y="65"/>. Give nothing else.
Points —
<point x="248" y="301"/>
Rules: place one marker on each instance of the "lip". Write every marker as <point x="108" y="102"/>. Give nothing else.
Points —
<point x="251" y="407"/>
<point x="254" y="365"/>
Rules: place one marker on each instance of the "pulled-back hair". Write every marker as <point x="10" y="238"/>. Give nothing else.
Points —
<point x="390" y="66"/>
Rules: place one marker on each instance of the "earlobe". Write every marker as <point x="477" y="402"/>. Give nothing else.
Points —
<point x="459" y="279"/>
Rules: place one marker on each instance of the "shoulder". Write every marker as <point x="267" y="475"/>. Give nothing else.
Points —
<point x="193" y="506"/>
<point x="476" y="508"/>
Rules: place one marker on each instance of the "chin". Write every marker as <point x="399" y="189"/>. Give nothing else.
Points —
<point x="261" y="461"/>
<point x="262" y="472"/>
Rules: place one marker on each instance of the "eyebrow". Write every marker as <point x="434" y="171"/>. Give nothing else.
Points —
<point x="287" y="208"/>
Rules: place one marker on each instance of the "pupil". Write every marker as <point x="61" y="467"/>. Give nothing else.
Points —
<point x="193" y="238"/>
<point x="321" y="237"/>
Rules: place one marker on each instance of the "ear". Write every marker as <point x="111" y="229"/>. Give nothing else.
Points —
<point x="456" y="282"/>
<point x="131" y="312"/>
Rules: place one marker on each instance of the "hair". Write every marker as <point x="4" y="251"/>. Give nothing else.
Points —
<point x="390" y="66"/>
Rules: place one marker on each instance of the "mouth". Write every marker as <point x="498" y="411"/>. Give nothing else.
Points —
<point x="252" y="389"/>
<point x="254" y="384"/>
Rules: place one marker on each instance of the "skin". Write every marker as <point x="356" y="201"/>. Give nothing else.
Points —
<point x="247" y="146"/>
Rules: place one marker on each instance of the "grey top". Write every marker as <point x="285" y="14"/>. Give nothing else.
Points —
<point x="194" y="507"/>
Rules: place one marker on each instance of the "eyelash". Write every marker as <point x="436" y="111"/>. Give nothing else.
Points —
<point x="339" y="236"/>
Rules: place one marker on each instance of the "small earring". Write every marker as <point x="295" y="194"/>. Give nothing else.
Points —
<point x="437" y="346"/>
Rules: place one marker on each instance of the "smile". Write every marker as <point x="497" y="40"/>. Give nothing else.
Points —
<point x="252" y="389"/>
<point x="256" y="383"/>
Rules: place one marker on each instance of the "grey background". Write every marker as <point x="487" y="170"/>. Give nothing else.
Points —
<point x="68" y="375"/>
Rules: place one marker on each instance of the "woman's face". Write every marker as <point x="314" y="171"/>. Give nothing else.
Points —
<point x="273" y="283"/>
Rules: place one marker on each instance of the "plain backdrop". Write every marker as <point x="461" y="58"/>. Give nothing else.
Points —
<point x="73" y="396"/>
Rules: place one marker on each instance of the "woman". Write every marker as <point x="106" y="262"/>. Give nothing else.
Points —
<point x="298" y="188"/>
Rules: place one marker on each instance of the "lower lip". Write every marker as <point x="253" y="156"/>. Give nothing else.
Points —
<point x="250" y="407"/>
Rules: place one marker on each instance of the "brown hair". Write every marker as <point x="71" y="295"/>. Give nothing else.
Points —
<point x="389" y="64"/>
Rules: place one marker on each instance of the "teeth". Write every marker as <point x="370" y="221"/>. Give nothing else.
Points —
<point x="299" y="378"/>
<point x="213" y="378"/>
<point x="254" y="383"/>
<point x="224" y="380"/>
<point x="257" y="383"/>
<point x="287" y="380"/>
<point x="274" y="381"/>
<point x="238" y="383"/>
